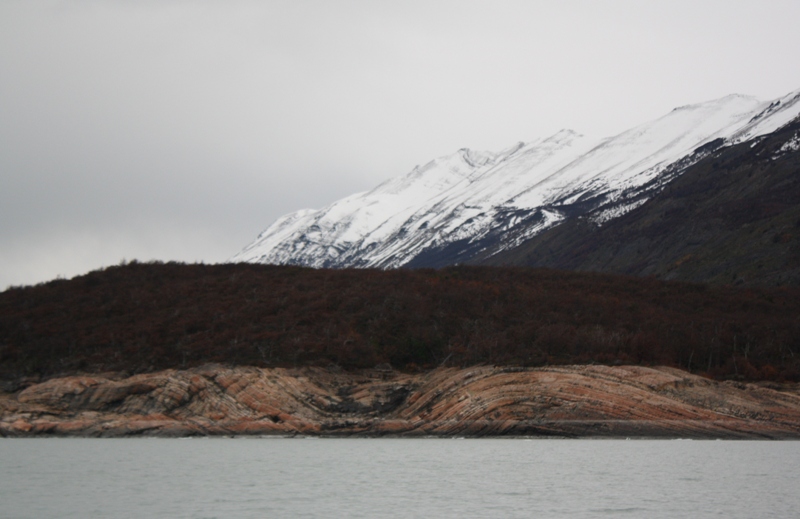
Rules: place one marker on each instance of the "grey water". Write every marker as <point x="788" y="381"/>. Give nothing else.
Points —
<point x="397" y="478"/>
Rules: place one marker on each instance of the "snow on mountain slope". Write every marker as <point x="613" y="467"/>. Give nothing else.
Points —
<point x="470" y="203"/>
<point x="778" y="113"/>
<point x="633" y="157"/>
<point x="320" y="238"/>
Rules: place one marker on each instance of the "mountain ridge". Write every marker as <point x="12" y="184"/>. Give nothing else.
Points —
<point x="472" y="204"/>
<point x="732" y="218"/>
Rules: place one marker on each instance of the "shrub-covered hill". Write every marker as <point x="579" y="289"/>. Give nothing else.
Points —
<point x="143" y="317"/>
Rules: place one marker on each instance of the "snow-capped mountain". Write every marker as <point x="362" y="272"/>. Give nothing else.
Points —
<point x="473" y="204"/>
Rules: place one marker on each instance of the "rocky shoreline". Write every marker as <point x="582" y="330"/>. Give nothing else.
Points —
<point x="563" y="401"/>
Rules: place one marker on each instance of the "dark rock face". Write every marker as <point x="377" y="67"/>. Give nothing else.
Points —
<point x="571" y="401"/>
<point x="732" y="218"/>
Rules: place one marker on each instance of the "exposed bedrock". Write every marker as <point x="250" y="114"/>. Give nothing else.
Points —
<point x="571" y="401"/>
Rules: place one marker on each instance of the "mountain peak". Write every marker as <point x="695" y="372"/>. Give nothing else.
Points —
<point x="475" y="158"/>
<point x="745" y="100"/>
<point x="471" y="204"/>
<point x="563" y="136"/>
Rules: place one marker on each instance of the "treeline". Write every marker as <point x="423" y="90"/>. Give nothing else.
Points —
<point x="143" y="317"/>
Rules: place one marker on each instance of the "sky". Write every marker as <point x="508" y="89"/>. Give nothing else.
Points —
<point x="179" y="130"/>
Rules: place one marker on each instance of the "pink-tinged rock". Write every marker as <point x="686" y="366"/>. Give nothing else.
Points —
<point x="58" y="392"/>
<point x="479" y="401"/>
<point x="72" y="427"/>
<point x="257" y="427"/>
<point x="21" y="426"/>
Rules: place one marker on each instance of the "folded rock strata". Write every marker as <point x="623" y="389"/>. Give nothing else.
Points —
<point x="564" y="401"/>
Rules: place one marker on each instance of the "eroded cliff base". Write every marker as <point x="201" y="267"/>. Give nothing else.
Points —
<point x="564" y="401"/>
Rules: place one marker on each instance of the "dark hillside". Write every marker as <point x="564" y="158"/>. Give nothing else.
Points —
<point x="144" y="317"/>
<point x="733" y="218"/>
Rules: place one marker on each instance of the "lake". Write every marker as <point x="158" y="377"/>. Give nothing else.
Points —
<point x="397" y="478"/>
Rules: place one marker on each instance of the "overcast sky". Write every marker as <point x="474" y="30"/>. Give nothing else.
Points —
<point x="178" y="130"/>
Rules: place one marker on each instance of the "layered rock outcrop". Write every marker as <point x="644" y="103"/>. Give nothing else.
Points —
<point x="571" y="401"/>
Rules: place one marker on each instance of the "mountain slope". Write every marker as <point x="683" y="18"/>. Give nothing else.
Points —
<point x="470" y="205"/>
<point x="734" y="217"/>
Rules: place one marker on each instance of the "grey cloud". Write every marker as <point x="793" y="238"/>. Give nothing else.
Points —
<point x="179" y="130"/>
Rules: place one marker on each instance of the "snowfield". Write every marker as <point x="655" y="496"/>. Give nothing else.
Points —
<point x="473" y="202"/>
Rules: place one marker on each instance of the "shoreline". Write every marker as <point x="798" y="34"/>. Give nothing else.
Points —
<point x="565" y="402"/>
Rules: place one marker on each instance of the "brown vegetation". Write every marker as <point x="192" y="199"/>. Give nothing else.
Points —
<point x="147" y="317"/>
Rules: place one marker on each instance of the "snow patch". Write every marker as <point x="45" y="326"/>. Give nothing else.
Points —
<point x="616" y="211"/>
<point x="792" y="145"/>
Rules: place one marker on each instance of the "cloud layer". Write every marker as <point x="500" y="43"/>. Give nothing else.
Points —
<point x="178" y="130"/>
